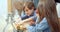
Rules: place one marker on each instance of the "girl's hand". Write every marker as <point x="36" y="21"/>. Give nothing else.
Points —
<point x="37" y="13"/>
<point x="32" y="22"/>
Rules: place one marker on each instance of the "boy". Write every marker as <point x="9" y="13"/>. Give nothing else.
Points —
<point x="29" y="11"/>
<point x="29" y="15"/>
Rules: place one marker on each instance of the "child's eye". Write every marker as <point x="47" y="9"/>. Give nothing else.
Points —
<point x="26" y="10"/>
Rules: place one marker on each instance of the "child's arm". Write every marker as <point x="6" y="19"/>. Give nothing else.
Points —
<point x="22" y="22"/>
<point x="33" y="18"/>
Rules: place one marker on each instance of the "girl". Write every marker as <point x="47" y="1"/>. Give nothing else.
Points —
<point x="48" y="7"/>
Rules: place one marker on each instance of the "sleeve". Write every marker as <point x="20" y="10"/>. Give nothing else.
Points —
<point x="43" y="24"/>
<point x="23" y="17"/>
<point x="31" y="29"/>
<point x="34" y="18"/>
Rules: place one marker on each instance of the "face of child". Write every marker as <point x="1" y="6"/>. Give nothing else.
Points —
<point x="28" y="11"/>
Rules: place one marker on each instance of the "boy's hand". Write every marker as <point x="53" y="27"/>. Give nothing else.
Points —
<point x="19" y="26"/>
<point x="16" y="25"/>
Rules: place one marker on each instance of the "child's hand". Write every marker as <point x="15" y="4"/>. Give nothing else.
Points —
<point x="15" y="25"/>
<point x="37" y="13"/>
<point x="32" y="22"/>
